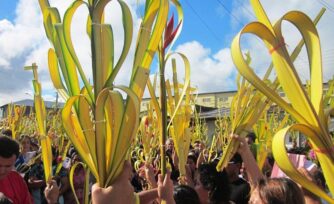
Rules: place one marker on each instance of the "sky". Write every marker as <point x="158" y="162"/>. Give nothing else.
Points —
<point x="205" y="39"/>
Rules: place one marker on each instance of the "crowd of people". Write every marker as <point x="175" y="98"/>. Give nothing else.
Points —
<point x="22" y="178"/>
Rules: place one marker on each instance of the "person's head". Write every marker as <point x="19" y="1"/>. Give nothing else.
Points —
<point x="233" y="167"/>
<point x="250" y="138"/>
<point x="216" y="183"/>
<point x="276" y="191"/>
<point x="184" y="194"/>
<point x="194" y="152"/>
<point x="75" y="157"/>
<point x="197" y="144"/>
<point x="9" y="151"/>
<point x="169" y="144"/>
<point x="7" y="132"/>
<point x="319" y="178"/>
<point x="34" y="145"/>
<point x="25" y="142"/>
<point x="191" y="161"/>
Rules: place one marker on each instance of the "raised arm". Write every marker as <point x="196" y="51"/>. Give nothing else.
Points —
<point x="253" y="170"/>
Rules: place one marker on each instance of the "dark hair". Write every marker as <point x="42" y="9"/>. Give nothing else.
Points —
<point x="184" y="194"/>
<point x="194" y="152"/>
<point x="252" y="136"/>
<point x="236" y="159"/>
<point x="192" y="157"/>
<point x="198" y="141"/>
<point x="8" y="147"/>
<point x="7" y="132"/>
<point x="319" y="178"/>
<point x="71" y="152"/>
<point x="280" y="191"/>
<point x="216" y="183"/>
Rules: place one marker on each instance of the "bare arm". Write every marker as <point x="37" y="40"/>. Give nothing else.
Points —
<point x="200" y="159"/>
<point x="253" y="170"/>
<point x="148" y="196"/>
<point x="65" y="185"/>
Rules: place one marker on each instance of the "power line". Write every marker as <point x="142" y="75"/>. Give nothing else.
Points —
<point x="229" y="12"/>
<point x="331" y="7"/>
<point x="251" y="14"/>
<point x="325" y="4"/>
<point x="204" y="23"/>
<point x="301" y="59"/>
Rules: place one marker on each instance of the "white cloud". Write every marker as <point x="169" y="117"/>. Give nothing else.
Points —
<point x="23" y="35"/>
<point x="216" y="71"/>
<point x="5" y="25"/>
<point x="209" y="71"/>
<point x="17" y="40"/>
<point x="23" y="41"/>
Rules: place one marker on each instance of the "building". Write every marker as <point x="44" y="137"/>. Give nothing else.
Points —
<point x="29" y="104"/>
<point x="211" y="105"/>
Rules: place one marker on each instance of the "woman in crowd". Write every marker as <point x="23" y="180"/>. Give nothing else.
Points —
<point x="212" y="186"/>
<point x="267" y="190"/>
<point x="26" y="153"/>
<point x="184" y="194"/>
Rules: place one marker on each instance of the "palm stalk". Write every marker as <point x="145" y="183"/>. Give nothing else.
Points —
<point x="95" y="117"/>
<point x="40" y="110"/>
<point x="306" y="109"/>
<point x="255" y="114"/>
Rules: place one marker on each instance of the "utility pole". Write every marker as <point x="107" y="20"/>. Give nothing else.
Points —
<point x="33" y="67"/>
<point x="37" y="90"/>
<point x="56" y="100"/>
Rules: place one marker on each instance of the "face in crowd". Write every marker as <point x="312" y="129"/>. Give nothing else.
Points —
<point x="9" y="151"/>
<point x="170" y="145"/>
<point x="6" y="165"/>
<point x="26" y="144"/>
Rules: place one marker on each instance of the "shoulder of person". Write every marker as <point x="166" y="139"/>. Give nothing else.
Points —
<point x="14" y="174"/>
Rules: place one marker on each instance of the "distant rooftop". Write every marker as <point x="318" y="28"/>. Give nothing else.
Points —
<point x="30" y="102"/>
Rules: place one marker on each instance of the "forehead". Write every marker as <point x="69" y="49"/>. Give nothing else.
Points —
<point x="25" y="139"/>
<point x="170" y="141"/>
<point x="7" y="161"/>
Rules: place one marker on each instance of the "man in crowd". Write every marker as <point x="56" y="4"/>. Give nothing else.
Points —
<point x="12" y="184"/>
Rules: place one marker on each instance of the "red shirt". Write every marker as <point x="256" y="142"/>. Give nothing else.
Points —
<point x="14" y="187"/>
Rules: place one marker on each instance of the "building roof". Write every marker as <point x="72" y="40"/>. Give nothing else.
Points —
<point x="214" y="113"/>
<point x="30" y="102"/>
